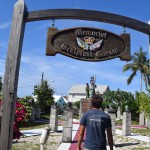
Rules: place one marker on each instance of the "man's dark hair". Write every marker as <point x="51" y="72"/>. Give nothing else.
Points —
<point x="96" y="101"/>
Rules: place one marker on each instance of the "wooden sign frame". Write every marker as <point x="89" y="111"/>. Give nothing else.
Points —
<point x="88" y="44"/>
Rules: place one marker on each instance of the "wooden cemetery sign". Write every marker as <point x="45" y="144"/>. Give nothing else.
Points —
<point x="88" y="44"/>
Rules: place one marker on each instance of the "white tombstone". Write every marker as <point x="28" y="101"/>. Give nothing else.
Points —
<point x="126" y="123"/>
<point x="54" y="119"/>
<point x="119" y="113"/>
<point x="142" y="119"/>
<point x="147" y="123"/>
<point x="112" y="114"/>
<point x="67" y="126"/>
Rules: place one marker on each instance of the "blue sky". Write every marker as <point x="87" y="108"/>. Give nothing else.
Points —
<point x="63" y="70"/>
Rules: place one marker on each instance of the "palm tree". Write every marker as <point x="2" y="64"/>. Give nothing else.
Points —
<point x="139" y="63"/>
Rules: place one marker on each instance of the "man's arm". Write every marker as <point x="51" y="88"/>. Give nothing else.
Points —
<point x="110" y="138"/>
<point x="81" y="134"/>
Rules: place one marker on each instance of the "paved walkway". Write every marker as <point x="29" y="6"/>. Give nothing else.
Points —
<point x="75" y="132"/>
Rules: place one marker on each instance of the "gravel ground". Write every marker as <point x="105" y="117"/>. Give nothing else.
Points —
<point x="124" y="143"/>
<point x="54" y="140"/>
<point x="32" y="142"/>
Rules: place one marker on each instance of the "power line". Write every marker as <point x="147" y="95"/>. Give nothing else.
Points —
<point x="26" y="75"/>
<point x="30" y="70"/>
<point x="26" y="86"/>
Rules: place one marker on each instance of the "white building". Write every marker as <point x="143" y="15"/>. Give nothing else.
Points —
<point x="78" y="92"/>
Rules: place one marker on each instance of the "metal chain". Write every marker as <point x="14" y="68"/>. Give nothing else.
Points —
<point x="124" y="29"/>
<point x="53" y="23"/>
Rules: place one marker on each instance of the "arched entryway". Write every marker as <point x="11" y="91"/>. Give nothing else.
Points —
<point x="20" y="18"/>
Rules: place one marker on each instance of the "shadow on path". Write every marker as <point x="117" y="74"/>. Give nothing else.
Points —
<point x="76" y="141"/>
<point x="126" y="144"/>
<point x="16" y="142"/>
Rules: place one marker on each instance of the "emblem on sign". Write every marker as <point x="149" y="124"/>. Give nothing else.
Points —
<point x="88" y="43"/>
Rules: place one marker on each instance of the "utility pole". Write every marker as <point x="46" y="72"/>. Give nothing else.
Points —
<point x="42" y="79"/>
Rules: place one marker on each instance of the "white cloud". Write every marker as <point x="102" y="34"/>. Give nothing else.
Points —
<point x="39" y="27"/>
<point x="37" y="63"/>
<point x="2" y="44"/>
<point x="2" y="63"/>
<point x="62" y="64"/>
<point x="74" y="67"/>
<point x="109" y="75"/>
<point x="43" y="67"/>
<point x="5" y="25"/>
<point x="25" y="59"/>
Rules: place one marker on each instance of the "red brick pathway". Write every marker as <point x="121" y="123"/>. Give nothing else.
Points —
<point x="73" y="145"/>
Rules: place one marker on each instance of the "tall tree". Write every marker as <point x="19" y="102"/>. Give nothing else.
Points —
<point x="44" y="96"/>
<point x="139" y="63"/>
<point x="144" y="103"/>
<point x="122" y="98"/>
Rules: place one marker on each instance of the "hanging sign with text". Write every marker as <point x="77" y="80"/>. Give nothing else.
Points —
<point x="88" y="44"/>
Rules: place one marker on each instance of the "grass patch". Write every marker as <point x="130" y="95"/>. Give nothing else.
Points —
<point x="76" y="117"/>
<point x="119" y="122"/>
<point x="134" y="122"/>
<point x="46" y="117"/>
<point x="140" y="148"/>
<point x="33" y="125"/>
<point x="141" y="131"/>
<point x="60" y="119"/>
<point x="25" y="146"/>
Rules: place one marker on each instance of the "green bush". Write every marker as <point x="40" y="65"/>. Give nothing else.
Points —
<point x="77" y="104"/>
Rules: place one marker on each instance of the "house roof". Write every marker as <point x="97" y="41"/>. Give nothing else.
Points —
<point x="80" y="89"/>
<point x="57" y="97"/>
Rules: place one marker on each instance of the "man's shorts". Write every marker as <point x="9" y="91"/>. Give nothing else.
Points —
<point x="84" y="148"/>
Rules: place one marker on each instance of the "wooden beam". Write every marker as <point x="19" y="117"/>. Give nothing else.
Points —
<point x="80" y="14"/>
<point x="10" y="85"/>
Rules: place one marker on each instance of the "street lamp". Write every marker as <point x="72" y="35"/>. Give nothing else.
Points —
<point x="51" y="80"/>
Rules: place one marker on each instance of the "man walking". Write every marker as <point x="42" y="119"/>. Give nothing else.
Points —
<point x="96" y="123"/>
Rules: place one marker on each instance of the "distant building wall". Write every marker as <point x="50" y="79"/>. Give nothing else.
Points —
<point x="77" y="92"/>
<point x="61" y="102"/>
<point x="73" y="97"/>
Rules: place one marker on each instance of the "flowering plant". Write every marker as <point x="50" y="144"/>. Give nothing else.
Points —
<point x="21" y="115"/>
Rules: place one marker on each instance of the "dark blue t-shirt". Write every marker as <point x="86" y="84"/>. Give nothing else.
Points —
<point x="95" y="121"/>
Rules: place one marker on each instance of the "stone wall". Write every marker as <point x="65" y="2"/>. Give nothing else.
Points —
<point x="85" y="105"/>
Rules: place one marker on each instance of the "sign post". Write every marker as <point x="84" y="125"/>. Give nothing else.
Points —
<point x="10" y="85"/>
